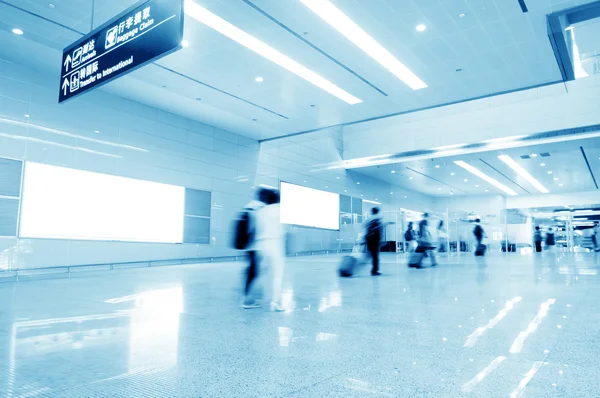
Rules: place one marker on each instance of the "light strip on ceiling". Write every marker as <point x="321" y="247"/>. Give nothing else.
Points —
<point x="343" y="24"/>
<point x="523" y="173"/>
<point x="485" y="177"/>
<point x="201" y="14"/>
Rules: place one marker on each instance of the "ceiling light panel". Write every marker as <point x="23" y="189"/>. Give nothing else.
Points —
<point x="217" y="23"/>
<point x="523" y="173"/>
<point x="343" y="24"/>
<point x="485" y="177"/>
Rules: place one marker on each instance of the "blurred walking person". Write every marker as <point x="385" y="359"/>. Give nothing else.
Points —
<point x="425" y="247"/>
<point x="537" y="239"/>
<point x="550" y="240"/>
<point x="270" y="242"/>
<point x="373" y="232"/>
<point x="245" y="239"/>
<point x="442" y="235"/>
<point x="479" y="235"/>
<point x="409" y="238"/>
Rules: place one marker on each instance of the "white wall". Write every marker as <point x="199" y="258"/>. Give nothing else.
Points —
<point x="170" y="149"/>
<point x="554" y="107"/>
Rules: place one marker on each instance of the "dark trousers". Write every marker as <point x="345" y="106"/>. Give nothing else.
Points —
<point x="251" y="271"/>
<point x="538" y="247"/>
<point x="374" y="251"/>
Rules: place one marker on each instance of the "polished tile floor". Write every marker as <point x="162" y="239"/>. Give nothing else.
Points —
<point x="507" y="326"/>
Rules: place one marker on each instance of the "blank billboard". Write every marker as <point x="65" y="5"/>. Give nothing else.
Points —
<point x="63" y="203"/>
<point x="309" y="207"/>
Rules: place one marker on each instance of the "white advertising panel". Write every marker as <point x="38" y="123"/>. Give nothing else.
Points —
<point x="63" y="203"/>
<point x="309" y="207"/>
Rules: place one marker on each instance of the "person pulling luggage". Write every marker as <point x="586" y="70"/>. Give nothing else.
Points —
<point x="425" y="247"/>
<point x="373" y="232"/>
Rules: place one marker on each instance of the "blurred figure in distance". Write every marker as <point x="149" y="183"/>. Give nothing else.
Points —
<point x="537" y="239"/>
<point x="442" y="236"/>
<point x="409" y="238"/>
<point x="373" y="232"/>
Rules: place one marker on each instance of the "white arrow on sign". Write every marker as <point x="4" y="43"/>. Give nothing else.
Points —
<point x="67" y="62"/>
<point x="65" y="85"/>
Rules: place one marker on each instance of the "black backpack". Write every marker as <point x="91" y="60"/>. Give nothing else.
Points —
<point x="408" y="236"/>
<point x="243" y="232"/>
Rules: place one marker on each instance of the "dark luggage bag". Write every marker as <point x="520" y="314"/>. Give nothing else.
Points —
<point x="347" y="266"/>
<point x="480" y="250"/>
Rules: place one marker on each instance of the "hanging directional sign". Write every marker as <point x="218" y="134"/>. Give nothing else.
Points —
<point x="143" y="33"/>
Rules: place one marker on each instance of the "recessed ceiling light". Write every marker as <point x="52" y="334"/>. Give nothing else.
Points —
<point x="462" y="15"/>
<point x="393" y="171"/>
<point x="203" y="15"/>
<point x="451" y="193"/>
<point x="421" y="28"/>
<point x="476" y="186"/>
<point x="259" y="79"/>
<point x="533" y="155"/>
<point x="326" y="186"/>
<point x="405" y="197"/>
<point x="391" y="193"/>
<point x="345" y="190"/>
<point x="97" y="131"/>
<point x="523" y="173"/>
<point x="362" y="195"/>
<point x="185" y="43"/>
<point x="357" y="183"/>
<point x="26" y="115"/>
<point x="17" y="31"/>
<point x="410" y="178"/>
<point x="348" y="28"/>
<point x="485" y="177"/>
<point x="337" y="178"/>
<point x="439" y="189"/>
<point x="466" y="180"/>
<point x="451" y="174"/>
<point x="437" y="166"/>
<point x="51" y="5"/>
<point x="487" y="190"/>
<point x="542" y="164"/>
<point x="555" y="178"/>
<point x="560" y="185"/>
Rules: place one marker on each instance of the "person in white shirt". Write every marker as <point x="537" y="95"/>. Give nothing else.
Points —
<point x="270" y="242"/>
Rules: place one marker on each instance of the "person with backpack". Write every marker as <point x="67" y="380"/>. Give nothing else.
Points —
<point x="270" y="242"/>
<point x="244" y="239"/>
<point x="373" y="232"/>
<point x="479" y="235"/>
<point x="537" y="239"/>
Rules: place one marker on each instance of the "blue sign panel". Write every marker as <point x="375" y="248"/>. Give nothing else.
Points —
<point x="145" y="32"/>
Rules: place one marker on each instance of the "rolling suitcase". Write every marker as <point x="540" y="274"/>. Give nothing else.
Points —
<point x="480" y="250"/>
<point x="350" y="263"/>
<point x="416" y="259"/>
<point x="347" y="266"/>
